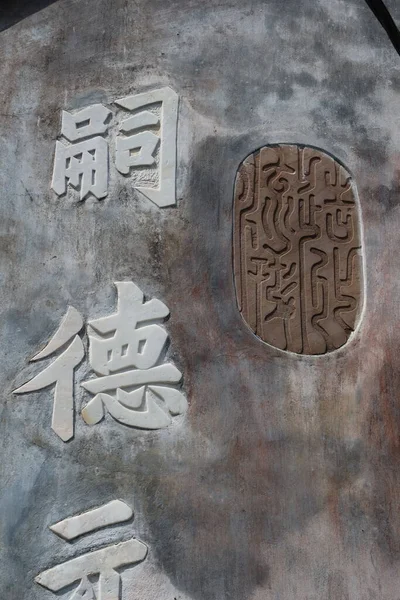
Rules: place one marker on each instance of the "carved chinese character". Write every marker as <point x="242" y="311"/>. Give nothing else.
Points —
<point x="125" y="349"/>
<point x="150" y="156"/>
<point x="60" y="373"/>
<point x="82" y="164"/>
<point x="86" y="123"/>
<point x="297" y="249"/>
<point x="103" y="562"/>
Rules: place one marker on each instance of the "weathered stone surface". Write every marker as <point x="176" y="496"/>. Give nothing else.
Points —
<point x="282" y="480"/>
<point x="297" y="249"/>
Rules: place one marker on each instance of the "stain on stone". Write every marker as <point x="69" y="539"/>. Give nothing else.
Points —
<point x="344" y="112"/>
<point x="395" y="81"/>
<point x="284" y="92"/>
<point x="362" y="80"/>
<point x="210" y="517"/>
<point x="387" y="197"/>
<point x="219" y="515"/>
<point x="305" y="79"/>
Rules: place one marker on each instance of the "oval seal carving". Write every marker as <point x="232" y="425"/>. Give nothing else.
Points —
<point x="297" y="249"/>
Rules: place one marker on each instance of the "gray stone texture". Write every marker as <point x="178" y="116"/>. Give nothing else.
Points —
<point x="282" y="482"/>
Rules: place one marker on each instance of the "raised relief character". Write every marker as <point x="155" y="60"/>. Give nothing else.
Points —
<point x="125" y="351"/>
<point x="83" y="164"/>
<point x="297" y="249"/>
<point x="60" y="373"/>
<point x="103" y="562"/>
<point x="146" y="145"/>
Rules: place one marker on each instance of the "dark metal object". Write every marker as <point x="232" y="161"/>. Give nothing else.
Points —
<point x="386" y="20"/>
<point x="13" y="11"/>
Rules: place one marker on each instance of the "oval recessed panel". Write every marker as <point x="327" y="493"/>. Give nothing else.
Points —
<point x="297" y="249"/>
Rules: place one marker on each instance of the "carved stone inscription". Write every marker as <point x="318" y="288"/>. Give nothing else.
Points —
<point x="297" y="249"/>
<point x="126" y="351"/>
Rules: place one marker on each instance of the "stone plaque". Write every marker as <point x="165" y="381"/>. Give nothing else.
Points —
<point x="297" y="249"/>
<point x="157" y="442"/>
